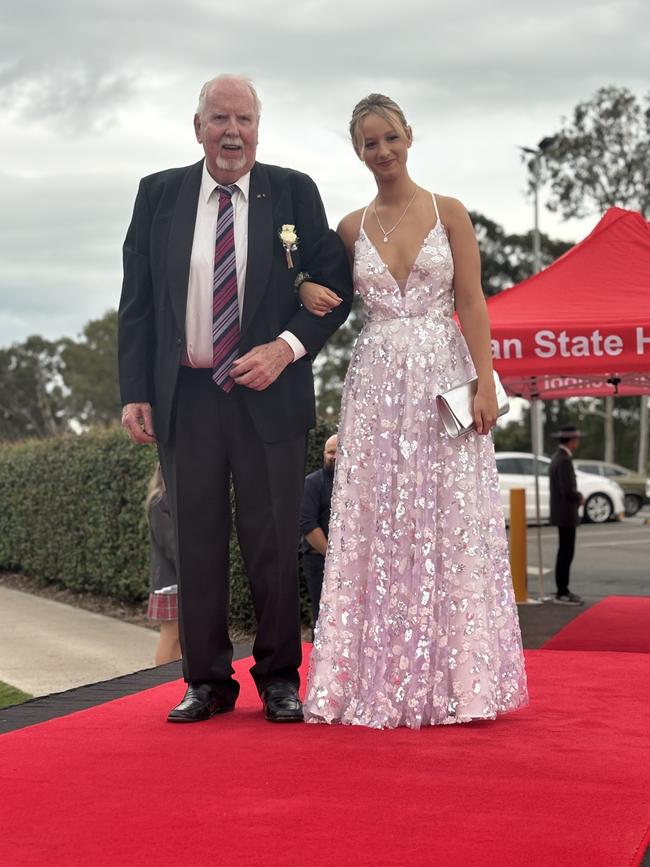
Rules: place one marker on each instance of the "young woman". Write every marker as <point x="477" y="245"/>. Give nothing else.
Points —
<point x="418" y="624"/>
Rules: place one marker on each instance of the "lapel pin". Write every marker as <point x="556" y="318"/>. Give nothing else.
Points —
<point x="261" y="195"/>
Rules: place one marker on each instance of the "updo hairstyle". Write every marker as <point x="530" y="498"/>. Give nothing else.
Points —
<point x="385" y="108"/>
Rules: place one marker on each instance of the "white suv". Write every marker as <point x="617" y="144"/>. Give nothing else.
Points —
<point x="604" y="498"/>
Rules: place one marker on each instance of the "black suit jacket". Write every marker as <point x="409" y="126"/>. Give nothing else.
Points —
<point x="565" y="497"/>
<point x="157" y="253"/>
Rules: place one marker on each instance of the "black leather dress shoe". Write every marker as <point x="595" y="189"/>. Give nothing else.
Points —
<point x="200" y="702"/>
<point x="281" y="703"/>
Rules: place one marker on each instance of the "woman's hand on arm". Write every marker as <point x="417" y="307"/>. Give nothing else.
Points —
<point x="318" y="299"/>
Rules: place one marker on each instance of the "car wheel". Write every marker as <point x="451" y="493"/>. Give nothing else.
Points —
<point x="598" y="509"/>
<point x="633" y="503"/>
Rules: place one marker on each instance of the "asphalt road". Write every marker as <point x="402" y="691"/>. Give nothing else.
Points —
<point x="611" y="559"/>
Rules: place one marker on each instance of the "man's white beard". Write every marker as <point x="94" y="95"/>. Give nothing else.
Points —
<point x="231" y="165"/>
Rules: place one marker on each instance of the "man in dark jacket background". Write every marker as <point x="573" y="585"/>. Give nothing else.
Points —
<point x="315" y="522"/>
<point x="565" y="502"/>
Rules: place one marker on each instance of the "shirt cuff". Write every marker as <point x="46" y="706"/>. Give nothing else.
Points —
<point x="299" y="350"/>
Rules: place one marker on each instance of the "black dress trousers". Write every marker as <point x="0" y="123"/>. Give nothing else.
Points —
<point x="214" y="439"/>
<point x="566" y="550"/>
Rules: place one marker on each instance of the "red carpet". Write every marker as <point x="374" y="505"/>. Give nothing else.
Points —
<point x="563" y="782"/>
<point x="617" y="623"/>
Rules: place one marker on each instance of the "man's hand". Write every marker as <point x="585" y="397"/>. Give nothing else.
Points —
<point x="262" y="365"/>
<point x="138" y="422"/>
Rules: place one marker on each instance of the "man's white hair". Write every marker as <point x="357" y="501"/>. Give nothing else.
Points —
<point x="237" y="79"/>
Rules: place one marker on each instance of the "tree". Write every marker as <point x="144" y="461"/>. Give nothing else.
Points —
<point x="515" y="436"/>
<point x="601" y="157"/>
<point x="47" y="385"/>
<point x="597" y="160"/>
<point x="626" y="425"/>
<point x="508" y="259"/>
<point x="90" y="373"/>
<point x="590" y="415"/>
<point x="32" y="399"/>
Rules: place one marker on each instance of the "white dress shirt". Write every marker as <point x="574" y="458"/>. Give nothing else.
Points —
<point x="198" y="315"/>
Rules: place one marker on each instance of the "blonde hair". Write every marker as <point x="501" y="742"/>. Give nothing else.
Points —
<point x="155" y="490"/>
<point x="385" y="108"/>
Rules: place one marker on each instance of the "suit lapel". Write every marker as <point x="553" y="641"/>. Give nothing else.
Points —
<point x="181" y="236"/>
<point x="260" y="243"/>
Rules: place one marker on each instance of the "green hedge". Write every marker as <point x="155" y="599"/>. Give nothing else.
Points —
<point x="72" y="512"/>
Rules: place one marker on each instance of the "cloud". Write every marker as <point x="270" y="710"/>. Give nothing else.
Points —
<point x="70" y="100"/>
<point x="93" y="96"/>
<point x="77" y="62"/>
<point x="61" y="253"/>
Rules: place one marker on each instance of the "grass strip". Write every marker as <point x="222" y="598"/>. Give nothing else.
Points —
<point x="10" y="695"/>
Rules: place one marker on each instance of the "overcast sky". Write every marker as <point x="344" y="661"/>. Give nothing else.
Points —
<point x="94" y="95"/>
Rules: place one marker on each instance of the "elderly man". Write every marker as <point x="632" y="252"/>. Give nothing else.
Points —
<point x="215" y="366"/>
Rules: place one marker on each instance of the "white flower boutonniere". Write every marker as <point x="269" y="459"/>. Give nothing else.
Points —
<point x="289" y="240"/>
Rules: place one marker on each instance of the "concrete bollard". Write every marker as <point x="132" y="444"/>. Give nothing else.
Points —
<point x="518" y="552"/>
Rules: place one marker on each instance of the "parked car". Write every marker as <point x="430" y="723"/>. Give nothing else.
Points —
<point x="604" y="498"/>
<point x="635" y="486"/>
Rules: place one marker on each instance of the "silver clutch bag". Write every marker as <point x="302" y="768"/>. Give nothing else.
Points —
<point x="456" y="406"/>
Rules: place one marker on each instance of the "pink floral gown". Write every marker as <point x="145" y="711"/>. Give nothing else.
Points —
<point x="418" y="624"/>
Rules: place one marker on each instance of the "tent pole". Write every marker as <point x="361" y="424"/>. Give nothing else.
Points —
<point x="535" y="419"/>
<point x="642" y="458"/>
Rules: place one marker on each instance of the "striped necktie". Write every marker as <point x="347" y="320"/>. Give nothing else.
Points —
<point x="225" y="303"/>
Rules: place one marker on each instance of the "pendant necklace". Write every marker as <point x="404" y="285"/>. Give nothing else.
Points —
<point x="390" y="231"/>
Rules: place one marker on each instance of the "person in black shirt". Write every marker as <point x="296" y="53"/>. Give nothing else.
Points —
<point x="565" y="502"/>
<point x="314" y="523"/>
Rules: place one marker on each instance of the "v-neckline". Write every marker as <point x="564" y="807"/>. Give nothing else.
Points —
<point x="415" y="261"/>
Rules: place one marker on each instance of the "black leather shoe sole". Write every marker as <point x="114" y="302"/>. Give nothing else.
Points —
<point x="281" y="703"/>
<point x="284" y="718"/>
<point x="181" y="717"/>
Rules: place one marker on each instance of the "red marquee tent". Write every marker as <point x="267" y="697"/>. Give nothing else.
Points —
<point x="582" y="325"/>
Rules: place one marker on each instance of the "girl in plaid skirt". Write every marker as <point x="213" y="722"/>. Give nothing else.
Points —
<point x="163" y="595"/>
